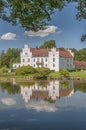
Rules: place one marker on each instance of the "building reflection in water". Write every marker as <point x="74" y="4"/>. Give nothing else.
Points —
<point x="52" y="90"/>
<point x="43" y="98"/>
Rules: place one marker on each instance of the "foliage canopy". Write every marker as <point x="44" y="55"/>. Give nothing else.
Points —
<point x="48" y="44"/>
<point x="30" y="14"/>
<point x="34" y="14"/>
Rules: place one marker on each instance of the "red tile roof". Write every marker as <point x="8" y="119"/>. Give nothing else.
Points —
<point x="39" y="94"/>
<point x="37" y="52"/>
<point x="65" y="92"/>
<point x="44" y="94"/>
<point x="80" y="64"/>
<point x="65" y="53"/>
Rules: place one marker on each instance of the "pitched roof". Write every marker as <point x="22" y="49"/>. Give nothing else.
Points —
<point x="80" y="63"/>
<point x="65" y="92"/>
<point x="65" y="53"/>
<point x="39" y="94"/>
<point x="37" y="52"/>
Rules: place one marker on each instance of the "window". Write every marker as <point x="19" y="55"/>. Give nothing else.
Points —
<point x="67" y="59"/>
<point x="38" y="59"/>
<point x="53" y="92"/>
<point x="53" y="59"/>
<point x="34" y="65"/>
<point x="45" y="65"/>
<point x="53" y="65"/>
<point x="34" y="59"/>
<point x="26" y="53"/>
<point x="26" y="93"/>
<point x="28" y="59"/>
<point x="41" y="59"/>
<point x="46" y="59"/>
<point x="67" y="65"/>
<point x="23" y="60"/>
<point x="54" y="87"/>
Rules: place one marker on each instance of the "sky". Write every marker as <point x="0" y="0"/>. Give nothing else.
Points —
<point x="63" y="28"/>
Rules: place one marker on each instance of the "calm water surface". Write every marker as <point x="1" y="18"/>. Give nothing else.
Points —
<point x="55" y="105"/>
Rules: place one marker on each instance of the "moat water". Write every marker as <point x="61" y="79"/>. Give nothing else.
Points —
<point x="54" y="105"/>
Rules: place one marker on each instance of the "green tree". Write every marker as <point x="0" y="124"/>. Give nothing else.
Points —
<point x="5" y="61"/>
<point x="81" y="14"/>
<point x="3" y="70"/>
<point x="11" y="55"/>
<point x="48" y="44"/>
<point x="62" y="48"/>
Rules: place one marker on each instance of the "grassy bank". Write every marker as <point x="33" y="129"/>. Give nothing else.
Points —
<point x="10" y="77"/>
<point x="78" y="74"/>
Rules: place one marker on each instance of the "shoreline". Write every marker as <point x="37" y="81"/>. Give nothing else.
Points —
<point x="13" y="79"/>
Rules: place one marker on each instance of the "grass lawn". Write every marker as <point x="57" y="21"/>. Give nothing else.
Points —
<point x="79" y="74"/>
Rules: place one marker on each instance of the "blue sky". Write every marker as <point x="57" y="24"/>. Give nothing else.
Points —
<point x="63" y="28"/>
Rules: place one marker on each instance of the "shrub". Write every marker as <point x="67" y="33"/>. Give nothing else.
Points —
<point x="64" y="73"/>
<point x="4" y="70"/>
<point x="42" y="73"/>
<point x="25" y="70"/>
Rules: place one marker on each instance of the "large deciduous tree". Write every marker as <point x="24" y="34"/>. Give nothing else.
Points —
<point x="10" y="56"/>
<point x="34" y="14"/>
<point x="31" y="14"/>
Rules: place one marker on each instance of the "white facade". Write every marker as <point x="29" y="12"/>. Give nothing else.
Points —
<point x="50" y="58"/>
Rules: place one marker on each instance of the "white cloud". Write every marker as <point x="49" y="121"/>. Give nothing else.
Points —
<point x="8" y="36"/>
<point x="8" y="101"/>
<point x="45" y="32"/>
<point x="41" y="106"/>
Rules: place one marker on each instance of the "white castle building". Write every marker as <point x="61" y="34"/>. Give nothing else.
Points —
<point x="53" y="58"/>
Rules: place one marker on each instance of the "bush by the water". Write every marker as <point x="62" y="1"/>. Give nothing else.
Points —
<point x="25" y="70"/>
<point x="64" y="73"/>
<point x="39" y="73"/>
<point x="42" y="73"/>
